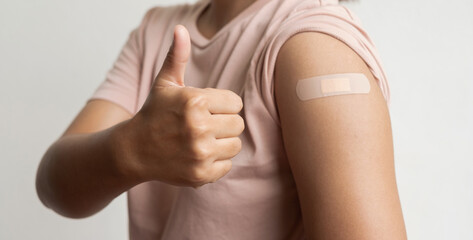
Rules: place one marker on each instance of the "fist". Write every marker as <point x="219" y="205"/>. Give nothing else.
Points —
<point x="184" y="136"/>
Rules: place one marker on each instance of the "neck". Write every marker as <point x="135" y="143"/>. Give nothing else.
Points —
<point x="219" y="13"/>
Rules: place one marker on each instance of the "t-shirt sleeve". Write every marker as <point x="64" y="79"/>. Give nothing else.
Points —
<point x="121" y="83"/>
<point x="335" y="20"/>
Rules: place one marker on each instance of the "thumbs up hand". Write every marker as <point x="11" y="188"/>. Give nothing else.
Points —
<point x="182" y="135"/>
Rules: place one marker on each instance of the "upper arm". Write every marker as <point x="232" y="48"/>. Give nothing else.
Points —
<point x="97" y="115"/>
<point x="339" y="148"/>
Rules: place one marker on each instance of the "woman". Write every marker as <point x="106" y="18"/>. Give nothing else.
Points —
<point x="202" y="121"/>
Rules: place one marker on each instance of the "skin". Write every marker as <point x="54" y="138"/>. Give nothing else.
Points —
<point x="182" y="136"/>
<point x="339" y="148"/>
<point x="219" y="13"/>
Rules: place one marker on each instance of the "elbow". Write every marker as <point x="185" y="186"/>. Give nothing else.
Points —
<point x="74" y="213"/>
<point x="42" y="187"/>
<point x="52" y="197"/>
<point x="40" y="191"/>
<point x="61" y="205"/>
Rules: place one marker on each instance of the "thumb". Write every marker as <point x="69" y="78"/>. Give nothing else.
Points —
<point x="174" y="66"/>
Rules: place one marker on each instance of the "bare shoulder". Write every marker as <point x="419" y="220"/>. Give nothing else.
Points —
<point x="312" y="54"/>
<point x="340" y="147"/>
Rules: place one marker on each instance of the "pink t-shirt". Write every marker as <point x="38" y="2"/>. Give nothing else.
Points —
<point x="257" y="199"/>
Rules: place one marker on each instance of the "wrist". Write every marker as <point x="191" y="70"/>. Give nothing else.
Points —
<point x="121" y="145"/>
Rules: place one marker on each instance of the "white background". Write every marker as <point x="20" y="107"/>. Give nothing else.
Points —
<point x="53" y="54"/>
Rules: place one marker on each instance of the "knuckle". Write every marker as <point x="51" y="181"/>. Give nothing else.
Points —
<point x="198" y="176"/>
<point x="199" y="152"/>
<point x="195" y="129"/>
<point x="195" y="100"/>
<point x="189" y="120"/>
<point x="187" y="93"/>
<point x="223" y="170"/>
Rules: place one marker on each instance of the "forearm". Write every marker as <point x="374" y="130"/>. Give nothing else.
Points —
<point x="81" y="173"/>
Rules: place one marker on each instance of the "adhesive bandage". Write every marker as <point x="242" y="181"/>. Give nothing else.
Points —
<point x="331" y="85"/>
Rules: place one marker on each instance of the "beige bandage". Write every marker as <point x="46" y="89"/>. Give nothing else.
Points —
<point x="331" y="85"/>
